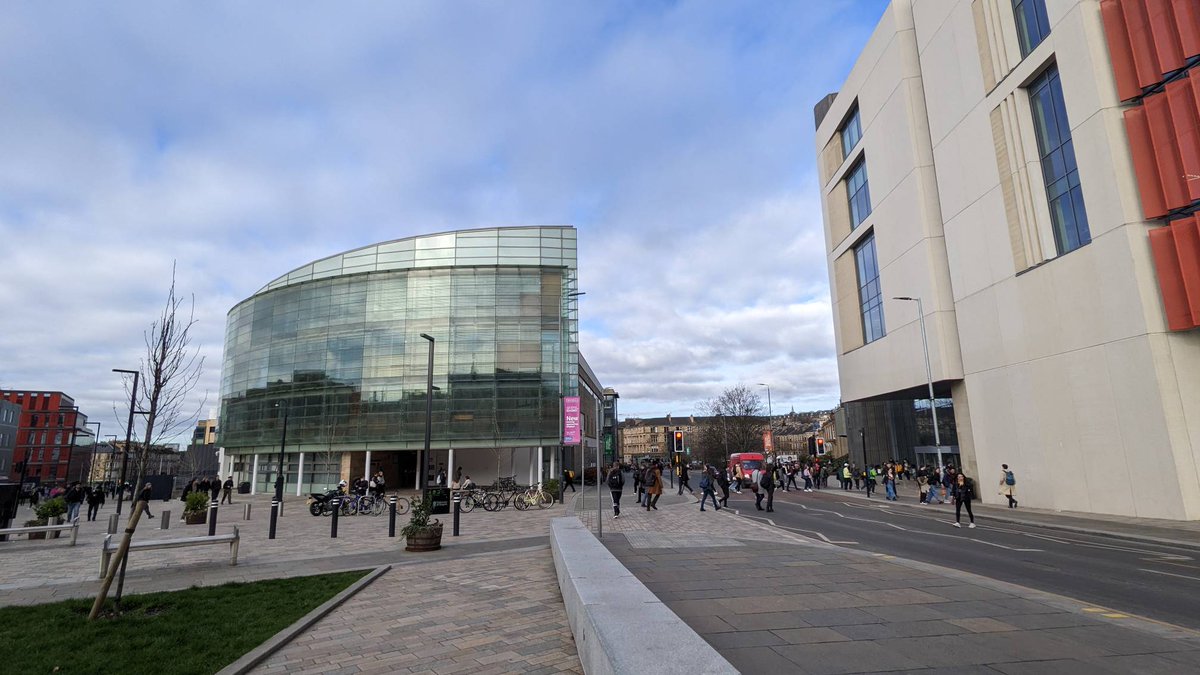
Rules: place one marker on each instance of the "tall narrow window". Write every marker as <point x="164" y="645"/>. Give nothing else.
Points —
<point x="851" y="132"/>
<point x="1059" y="171"/>
<point x="870" y="295"/>
<point x="858" y="193"/>
<point x="1032" y="24"/>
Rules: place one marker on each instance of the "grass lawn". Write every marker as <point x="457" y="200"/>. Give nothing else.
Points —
<point x="199" y="630"/>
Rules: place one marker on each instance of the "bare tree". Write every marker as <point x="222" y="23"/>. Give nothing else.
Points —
<point x="170" y="371"/>
<point x="735" y="423"/>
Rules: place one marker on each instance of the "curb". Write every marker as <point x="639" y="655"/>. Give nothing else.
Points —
<point x="611" y="612"/>
<point x="276" y="642"/>
<point x="1002" y="517"/>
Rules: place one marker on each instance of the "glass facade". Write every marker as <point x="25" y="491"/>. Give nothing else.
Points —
<point x="851" y="132"/>
<point x="1032" y="24"/>
<point x="336" y="346"/>
<point x="1059" y="170"/>
<point x="870" y="294"/>
<point x="858" y="193"/>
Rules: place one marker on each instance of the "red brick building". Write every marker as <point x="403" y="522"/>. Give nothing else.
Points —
<point x="50" y="424"/>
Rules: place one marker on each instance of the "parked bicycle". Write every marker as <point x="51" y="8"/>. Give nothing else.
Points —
<point x="534" y="496"/>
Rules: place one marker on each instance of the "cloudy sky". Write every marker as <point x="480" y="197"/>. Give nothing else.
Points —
<point x="243" y="140"/>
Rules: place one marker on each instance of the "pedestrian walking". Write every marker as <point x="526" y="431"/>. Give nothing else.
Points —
<point x="654" y="486"/>
<point x="889" y="483"/>
<point x="845" y="476"/>
<point x="227" y="491"/>
<point x="95" y="497"/>
<point x="637" y="480"/>
<point x="964" y="494"/>
<point x="145" y="495"/>
<point x="707" y="488"/>
<point x="568" y="480"/>
<point x="723" y="482"/>
<point x="616" y="485"/>
<point x="791" y="475"/>
<point x="923" y="483"/>
<point x="683" y="480"/>
<point x="935" y="484"/>
<point x="767" y="483"/>
<point x="74" y="498"/>
<point x="756" y="488"/>
<point x="1008" y="486"/>
<point x="738" y="478"/>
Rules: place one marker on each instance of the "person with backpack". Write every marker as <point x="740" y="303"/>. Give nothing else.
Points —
<point x="755" y="487"/>
<point x="708" y="488"/>
<point x="616" y="484"/>
<point x="723" y="482"/>
<point x="964" y="494"/>
<point x="654" y="486"/>
<point x="684" y="480"/>
<point x="1008" y="486"/>
<point x="766" y="483"/>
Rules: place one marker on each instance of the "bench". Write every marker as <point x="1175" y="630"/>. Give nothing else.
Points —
<point x="72" y="526"/>
<point x="109" y="546"/>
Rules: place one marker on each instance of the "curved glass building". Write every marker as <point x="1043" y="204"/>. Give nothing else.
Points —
<point x="329" y="359"/>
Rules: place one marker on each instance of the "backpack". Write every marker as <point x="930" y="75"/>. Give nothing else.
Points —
<point x="767" y="481"/>
<point x="705" y="483"/>
<point x="614" y="480"/>
<point x="650" y="479"/>
<point x="1009" y="479"/>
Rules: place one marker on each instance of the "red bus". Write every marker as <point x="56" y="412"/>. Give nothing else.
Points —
<point x="747" y="462"/>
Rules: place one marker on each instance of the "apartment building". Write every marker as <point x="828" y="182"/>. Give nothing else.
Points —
<point x="1023" y="173"/>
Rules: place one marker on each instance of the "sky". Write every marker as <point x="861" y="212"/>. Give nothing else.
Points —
<point x="238" y="141"/>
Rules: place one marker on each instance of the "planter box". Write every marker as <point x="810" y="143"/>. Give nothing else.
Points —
<point x="196" y="518"/>
<point x="428" y="540"/>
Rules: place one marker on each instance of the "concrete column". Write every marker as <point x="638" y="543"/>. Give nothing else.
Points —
<point x="367" y="466"/>
<point x="300" y="475"/>
<point x="529" y="457"/>
<point x="254" y="476"/>
<point x="420" y="468"/>
<point x="450" y="465"/>
<point x="540" y="476"/>
<point x="554" y="473"/>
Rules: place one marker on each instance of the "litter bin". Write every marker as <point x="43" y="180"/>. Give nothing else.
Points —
<point x="244" y="488"/>
<point x="439" y="499"/>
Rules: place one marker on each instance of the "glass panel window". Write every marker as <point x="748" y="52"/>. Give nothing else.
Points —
<point x="870" y="294"/>
<point x="1059" y="170"/>
<point x="851" y="132"/>
<point x="858" y="193"/>
<point x="1032" y="24"/>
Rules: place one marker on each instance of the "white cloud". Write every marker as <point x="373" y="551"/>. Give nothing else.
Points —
<point x="245" y="140"/>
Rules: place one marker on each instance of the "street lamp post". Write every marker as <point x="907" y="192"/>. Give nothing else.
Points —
<point x="770" y="418"/>
<point x="937" y="437"/>
<point x="428" y="417"/>
<point x="128" y="434"/>
<point x="92" y="464"/>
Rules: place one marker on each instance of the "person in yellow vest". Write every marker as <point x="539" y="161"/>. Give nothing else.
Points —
<point x="846" y="479"/>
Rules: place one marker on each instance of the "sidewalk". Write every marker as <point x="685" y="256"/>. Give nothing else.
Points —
<point x="1152" y="530"/>
<point x="771" y="601"/>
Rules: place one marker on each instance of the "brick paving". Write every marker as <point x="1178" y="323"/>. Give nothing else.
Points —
<point x="493" y="613"/>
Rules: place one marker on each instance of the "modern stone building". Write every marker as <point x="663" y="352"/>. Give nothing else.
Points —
<point x="1028" y="169"/>
<point x="336" y="354"/>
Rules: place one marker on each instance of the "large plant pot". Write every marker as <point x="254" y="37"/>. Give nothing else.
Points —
<point x="429" y="539"/>
<point x="198" y="518"/>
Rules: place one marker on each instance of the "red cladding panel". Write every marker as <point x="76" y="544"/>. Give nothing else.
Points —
<point x="1145" y="59"/>
<point x="1144" y="166"/>
<point x="1182" y="103"/>
<point x="1187" y="246"/>
<point x="1187" y="19"/>
<point x="1170" y="279"/>
<point x="1166" y="151"/>
<point x="1119" y="50"/>
<point x="1166" y="35"/>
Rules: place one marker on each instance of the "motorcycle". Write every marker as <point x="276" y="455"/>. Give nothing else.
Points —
<point x="321" y="504"/>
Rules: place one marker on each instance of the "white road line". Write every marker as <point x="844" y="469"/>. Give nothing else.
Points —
<point x="1009" y="548"/>
<point x="1169" y="574"/>
<point x="897" y="527"/>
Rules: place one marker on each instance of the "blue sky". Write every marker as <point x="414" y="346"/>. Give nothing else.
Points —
<point x="246" y="140"/>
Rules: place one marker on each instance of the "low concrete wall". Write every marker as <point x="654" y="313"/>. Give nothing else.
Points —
<point x="619" y="625"/>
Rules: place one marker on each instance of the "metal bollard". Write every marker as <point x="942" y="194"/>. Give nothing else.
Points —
<point x="392" y="517"/>
<point x="212" y="518"/>
<point x="337" y="508"/>
<point x="112" y="523"/>
<point x="457" y="510"/>
<point x="274" y="515"/>
<point x="246" y="511"/>
<point x="166" y="520"/>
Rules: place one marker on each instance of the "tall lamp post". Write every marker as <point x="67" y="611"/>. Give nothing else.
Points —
<point x="128" y="434"/>
<point x="428" y="417"/>
<point x="92" y="464"/>
<point x="937" y="437"/>
<point x="770" y="418"/>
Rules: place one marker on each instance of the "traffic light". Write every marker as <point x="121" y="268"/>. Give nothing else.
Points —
<point x="820" y="446"/>
<point x="678" y="445"/>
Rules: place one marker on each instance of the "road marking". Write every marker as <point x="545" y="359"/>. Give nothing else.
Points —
<point x="897" y="527"/>
<point x="823" y="538"/>
<point x="1009" y="548"/>
<point x="1094" y="610"/>
<point x="1169" y="574"/>
<point x="1115" y="615"/>
<point x="771" y="522"/>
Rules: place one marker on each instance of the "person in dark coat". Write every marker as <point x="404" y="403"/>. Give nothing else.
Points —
<point x="147" y="492"/>
<point x="964" y="493"/>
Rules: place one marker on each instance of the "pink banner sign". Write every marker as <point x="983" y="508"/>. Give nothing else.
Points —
<point x="571" y="432"/>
